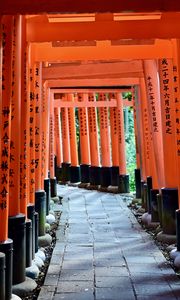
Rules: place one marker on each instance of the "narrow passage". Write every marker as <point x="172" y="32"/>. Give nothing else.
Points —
<point x="103" y="253"/>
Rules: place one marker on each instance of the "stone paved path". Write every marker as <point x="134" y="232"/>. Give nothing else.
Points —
<point x="103" y="253"/>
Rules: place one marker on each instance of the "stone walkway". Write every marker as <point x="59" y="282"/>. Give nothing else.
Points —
<point x="103" y="253"/>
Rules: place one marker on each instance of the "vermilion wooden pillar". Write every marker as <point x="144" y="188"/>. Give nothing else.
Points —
<point x="153" y="97"/>
<point x="151" y="168"/>
<point x="14" y="178"/>
<point x="138" y="172"/>
<point x="51" y="148"/>
<point x="176" y="81"/>
<point x="45" y="144"/>
<point x="154" y="109"/>
<point x="114" y="144"/>
<point x="16" y="220"/>
<point x="6" y="245"/>
<point x="58" y="142"/>
<point x="65" y="143"/>
<point x="26" y="209"/>
<point x="45" y="130"/>
<point x="32" y="135"/>
<point x="38" y="124"/>
<point x="74" y="169"/>
<point x="5" y="126"/>
<point x="94" y="171"/>
<point x="40" y="195"/>
<point x="149" y="155"/>
<point x="24" y="170"/>
<point x="123" y="177"/>
<point x="170" y="192"/>
<point x="84" y="140"/>
<point x="105" y="143"/>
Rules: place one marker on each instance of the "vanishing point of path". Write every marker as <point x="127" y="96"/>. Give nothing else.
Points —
<point x="103" y="253"/>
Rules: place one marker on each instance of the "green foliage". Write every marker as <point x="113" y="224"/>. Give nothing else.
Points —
<point x="130" y="142"/>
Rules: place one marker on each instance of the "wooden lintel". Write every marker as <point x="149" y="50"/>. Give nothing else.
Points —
<point x="60" y="103"/>
<point x="88" y="6"/>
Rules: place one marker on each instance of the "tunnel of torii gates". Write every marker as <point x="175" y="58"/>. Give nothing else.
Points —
<point x="49" y="69"/>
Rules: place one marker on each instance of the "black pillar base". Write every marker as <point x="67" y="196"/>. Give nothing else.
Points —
<point x="144" y="193"/>
<point x="17" y="232"/>
<point x="53" y="183"/>
<point x="137" y="175"/>
<point x="47" y="188"/>
<point x="40" y="207"/>
<point x="123" y="186"/>
<point x="7" y="248"/>
<point x="28" y="243"/>
<point x="154" y="205"/>
<point x="30" y="215"/>
<point x="169" y="207"/>
<point x="58" y="173"/>
<point x="149" y="188"/>
<point x="159" y="204"/>
<point x="84" y="171"/>
<point x="105" y="176"/>
<point x="65" y="176"/>
<point x="75" y="174"/>
<point x="94" y="175"/>
<point x="36" y="221"/>
<point x="178" y="229"/>
<point x="2" y="276"/>
<point x="114" y="175"/>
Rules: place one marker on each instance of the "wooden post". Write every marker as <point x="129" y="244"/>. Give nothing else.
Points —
<point x="153" y="98"/>
<point x="16" y="220"/>
<point x="58" y="142"/>
<point x="65" y="143"/>
<point x="114" y="144"/>
<point x="24" y="170"/>
<point x="84" y="140"/>
<point x="94" y="171"/>
<point x="45" y="144"/>
<point x="123" y="177"/>
<point x="105" y="143"/>
<point x="38" y="124"/>
<point x="168" y="121"/>
<point x="138" y="172"/>
<point x="149" y="155"/>
<point x="14" y="169"/>
<point x="51" y="148"/>
<point x="45" y="130"/>
<point x="74" y="169"/>
<point x="5" y="123"/>
<point x="6" y="245"/>
<point x="170" y="192"/>
<point x="176" y="81"/>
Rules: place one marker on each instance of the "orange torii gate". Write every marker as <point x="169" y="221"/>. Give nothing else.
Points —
<point x="162" y="50"/>
<point x="86" y="102"/>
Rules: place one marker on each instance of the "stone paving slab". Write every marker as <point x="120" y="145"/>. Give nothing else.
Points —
<point x="103" y="253"/>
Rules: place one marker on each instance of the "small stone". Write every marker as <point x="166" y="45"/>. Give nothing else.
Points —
<point x="41" y="255"/>
<point x="47" y="227"/>
<point x="50" y="219"/>
<point x="146" y="218"/>
<point x="32" y="271"/>
<point x="44" y="240"/>
<point x="25" y="288"/>
<point x="177" y="262"/>
<point x="15" y="297"/>
<point x="174" y="253"/>
<point x="38" y="262"/>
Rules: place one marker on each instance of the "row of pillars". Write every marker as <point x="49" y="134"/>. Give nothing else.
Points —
<point x="25" y="184"/>
<point x="99" y="157"/>
<point x="157" y="119"/>
<point x="30" y="132"/>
